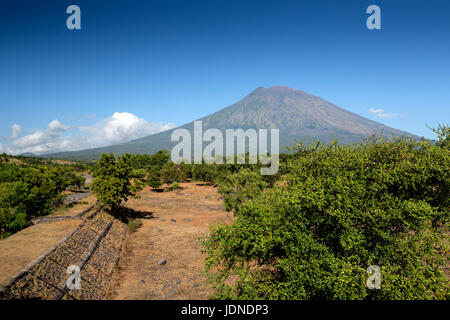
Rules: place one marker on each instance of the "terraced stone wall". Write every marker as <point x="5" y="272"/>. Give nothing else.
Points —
<point x="94" y="247"/>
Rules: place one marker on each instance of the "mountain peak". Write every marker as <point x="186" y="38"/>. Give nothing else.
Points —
<point x="277" y="88"/>
<point x="283" y="88"/>
<point x="274" y="96"/>
<point x="277" y="91"/>
<point x="297" y="115"/>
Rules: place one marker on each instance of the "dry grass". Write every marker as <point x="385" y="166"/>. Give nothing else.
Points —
<point x="18" y="250"/>
<point x="15" y="161"/>
<point x="75" y="208"/>
<point x="139" y="275"/>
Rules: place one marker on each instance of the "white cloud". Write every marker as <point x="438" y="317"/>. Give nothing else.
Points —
<point x="379" y="113"/>
<point x="39" y="141"/>
<point x="119" y="128"/>
<point x="123" y="126"/>
<point x="375" y="111"/>
<point x="16" y="131"/>
<point x="55" y="127"/>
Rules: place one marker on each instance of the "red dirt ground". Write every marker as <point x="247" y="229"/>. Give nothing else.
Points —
<point x="139" y="276"/>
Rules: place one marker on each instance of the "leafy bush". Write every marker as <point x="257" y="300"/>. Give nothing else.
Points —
<point x="238" y="188"/>
<point x="4" y="158"/>
<point x="443" y="133"/>
<point x="171" y="172"/>
<point x="159" y="159"/>
<point x="139" y="174"/>
<point x="13" y="216"/>
<point x="73" y="180"/>
<point x="31" y="190"/>
<point x="134" y="224"/>
<point x="342" y="209"/>
<point x="143" y="161"/>
<point x="175" y="185"/>
<point x="113" y="180"/>
<point x="154" y="178"/>
<point x="205" y="172"/>
<point x="12" y="219"/>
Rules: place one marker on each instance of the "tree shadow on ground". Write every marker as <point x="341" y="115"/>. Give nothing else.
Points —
<point x="126" y="214"/>
<point x="169" y="189"/>
<point x="73" y="204"/>
<point x="205" y="184"/>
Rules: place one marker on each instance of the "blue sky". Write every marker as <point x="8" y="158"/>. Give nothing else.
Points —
<point x="137" y="67"/>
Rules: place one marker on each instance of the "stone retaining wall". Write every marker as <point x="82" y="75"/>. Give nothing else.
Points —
<point x="94" y="246"/>
<point x="60" y="218"/>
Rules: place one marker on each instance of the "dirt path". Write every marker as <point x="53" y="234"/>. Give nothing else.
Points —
<point x="170" y="231"/>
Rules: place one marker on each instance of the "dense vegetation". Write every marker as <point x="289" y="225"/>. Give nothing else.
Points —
<point x="240" y="187"/>
<point x="338" y="210"/>
<point x="312" y="230"/>
<point x="308" y="232"/>
<point x="30" y="187"/>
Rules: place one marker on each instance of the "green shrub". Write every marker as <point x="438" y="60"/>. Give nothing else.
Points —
<point x="175" y="185"/>
<point x="138" y="174"/>
<point x="134" y="224"/>
<point x="154" y="178"/>
<point x="443" y="134"/>
<point x="13" y="215"/>
<point x="113" y="181"/>
<point x="342" y="209"/>
<point x="12" y="219"/>
<point x="171" y="172"/>
<point x="143" y="161"/>
<point x="30" y="190"/>
<point x="205" y="172"/>
<point x="238" y="188"/>
<point x="159" y="159"/>
<point x="71" y="179"/>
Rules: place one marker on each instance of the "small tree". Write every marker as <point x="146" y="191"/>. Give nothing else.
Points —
<point x="160" y="158"/>
<point x="113" y="181"/>
<point x="154" y="178"/>
<point x="170" y="173"/>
